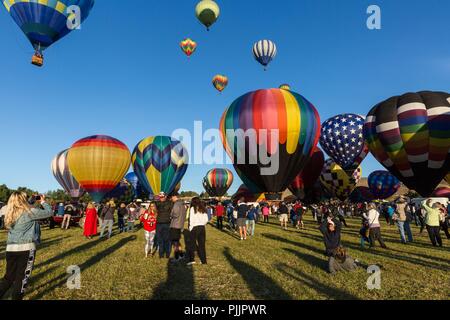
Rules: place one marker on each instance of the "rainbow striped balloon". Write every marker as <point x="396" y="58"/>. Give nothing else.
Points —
<point x="160" y="163"/>
<point x="410" y="136"/>
<point x="99" y="163"/>
<point x="282" y="124"/>
<point x="217" y="182"/>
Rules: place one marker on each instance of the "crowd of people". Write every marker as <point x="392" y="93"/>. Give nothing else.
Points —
<point x="166" y="221"/>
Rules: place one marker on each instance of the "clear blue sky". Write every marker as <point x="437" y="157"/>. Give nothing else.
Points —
<point x="124" y="75"/>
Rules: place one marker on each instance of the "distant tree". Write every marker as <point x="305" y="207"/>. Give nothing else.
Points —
<point x="188" y="194"/>
<point x="58" y="195"/>
<point x="5" y="193"/>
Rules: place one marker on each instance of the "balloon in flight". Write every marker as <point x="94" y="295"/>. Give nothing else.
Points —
<point x="218" y="181"/>
<point x="264" y="51"/>
<point x="188" y="46"/>
<point x="207" y="12"/>
<point x="220" y="82"/>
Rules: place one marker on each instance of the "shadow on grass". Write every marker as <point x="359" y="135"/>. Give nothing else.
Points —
<point x="260" y="285"/>
<point x="44" y="244"/>
<point x="313" y="283"/>
<point x="60" y="280"/>
<point x="294" y="243"/>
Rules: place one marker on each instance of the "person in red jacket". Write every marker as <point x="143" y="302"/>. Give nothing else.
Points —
<point x="148" y="218"/>
<point x="220" y="211"/>
<point x="90" y="223"/>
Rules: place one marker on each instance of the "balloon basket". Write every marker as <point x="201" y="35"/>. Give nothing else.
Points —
<point x="37" y="60"/>
<point x="273" y="196"/>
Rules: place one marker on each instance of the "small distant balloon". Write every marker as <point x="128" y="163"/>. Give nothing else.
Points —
<point x="264" y="51"/>
<point x="220" y="82"/>
<point x="188" y="46"/>
<point x="207" y="12"/>
<point x="285" y="87"/>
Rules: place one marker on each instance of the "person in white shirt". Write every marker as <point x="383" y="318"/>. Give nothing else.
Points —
<point x="372" y="218"/>
<point x="197" y="220"/>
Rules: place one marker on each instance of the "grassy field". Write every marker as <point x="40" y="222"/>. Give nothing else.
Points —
<point x="275" y="264"/>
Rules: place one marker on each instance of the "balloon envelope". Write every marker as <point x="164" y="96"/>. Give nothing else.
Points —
<point x="382" y="184"/>
<point x="410" y="136"/>
<point x="264" y="51"/>
<point x="98" y="163"/>
<point x="339" y="182"/>
<point x="442" y="192"/>
<point x="220" y="82"/>
<point x="62" y="174"/>
<point x="309" y="175"/>
<point x="160" y="163"/>
<point x="218" y="181"/>
<point x="343" y="141"/>
<point x="133" y="180"/>
<point x="45" y="22"/>
<point x="361" y="194"/>
<point x="284" y="128"/>
<point x="207" y="12"/>
<point x="188" y="46"/>
<point x="247" y="194"/>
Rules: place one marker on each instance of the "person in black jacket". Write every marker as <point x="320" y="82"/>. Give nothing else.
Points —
<point x="164" y="207"/>
<point x="121" y="213"/>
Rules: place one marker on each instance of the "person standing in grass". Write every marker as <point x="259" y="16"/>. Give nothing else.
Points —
<point x="220" y="211"/>
<point x="21" y="220"/>
<point x="372" y="217"/>
<point x="177" y="219"/>
<point x="164" y="209"/>
<point x="242" y="211"/>
<point x="121" y="214"/>
<point x="284" y="215"/>
<point x="400" y="218"/>
<point x="443" y="220"/>
<point x="250" y="222"/>
<point x="131" y="216"/>
<point x="90" y="222"/>
<point x="108" y="219"/>
<point x="69" y="211"/>
<point x="266" y="213"/>
<point x="197" y="221"/>
<point x="432" y="222"/>
<point x="148" y="218"/>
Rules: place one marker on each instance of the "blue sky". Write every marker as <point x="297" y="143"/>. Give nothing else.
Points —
<point x="124" y="75"/>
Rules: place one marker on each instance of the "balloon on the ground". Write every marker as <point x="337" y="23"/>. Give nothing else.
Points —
<point x="207" y="12"/>
<point x="218" y="181"/>
<point x="442" y="192"/>
<point x="160" y="163"/>
<point x="220" y="82"/>
<point x="188" y="46"/>
<point x="343" y="141"/>
<point x="62" y="174"/>
<point x="339" y="182"/>
<point x="285" y="128"/>
<point x="46" y="22"/>
<point x="99" y="163"/>
<point x="309" y="175"/>
<point x="120" y="190"/>
<point x="410" y="136"/>
<point x="361" y="194"/>
<point x="382" y="184"/>
<point x="264" y="51"/>
<point x="285" y="87"/>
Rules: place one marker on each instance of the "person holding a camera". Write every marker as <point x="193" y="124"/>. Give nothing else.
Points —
<point x="22" y="222"/>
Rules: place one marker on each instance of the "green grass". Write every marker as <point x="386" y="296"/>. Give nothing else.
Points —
<point x="275" y="264"/>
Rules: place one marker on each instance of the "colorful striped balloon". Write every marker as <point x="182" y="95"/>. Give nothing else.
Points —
<point x="410" y="136"/>
<point x="188" y="46"/>
<point x="264" y="51"/>
<point x="99" y="163"/>
<point x="220" y="82"/>
<point x="285" y="87"/>
<point x="282" y="124"/>
<point x="62" y="174"/>
<point x="247" y="194"/>
<point x="160" y="163"/>
<point x="382" y="184"/>
<point x="442" y="192"/>
<point x="218" y="181"/>
<point x="338" y="181"/>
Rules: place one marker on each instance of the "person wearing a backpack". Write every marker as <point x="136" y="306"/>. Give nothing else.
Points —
<point x="251" y="220"/>
<point x="372" y="216"/>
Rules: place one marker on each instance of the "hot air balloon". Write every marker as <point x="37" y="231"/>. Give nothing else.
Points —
<point x="285" y="87"/>
<point x="282" y="128"/>
<point x="160" y="163"/>
<point x="264" y="52"/>
<point x="361" y="194"/>
<point x="247" y="194"/>
<point x="98" y="163"/>
<point x="382" y="184"/>
<point x="64" y="177"/>
<point x="188" y="46"/>
<point x="220" y="82"/>
<point x="218" y="181"/>
<point x="207" y="12"/>
<point x="447" y="178"/>
<point x="45" y="22"/>
<point x="123" y="189"/>
<point x="338" y="181"/>
<point x="309" y="175"/>
<point x="442" y="192"/>
<point x="133" y="180"/>
<point x="342" y="139"/>
<point x="410" y="136"/>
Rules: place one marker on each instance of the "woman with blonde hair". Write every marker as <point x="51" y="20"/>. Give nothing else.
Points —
<point x="372" y="219"/>
<point x="90" y="223"/>
<point x="21" y="220"/>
